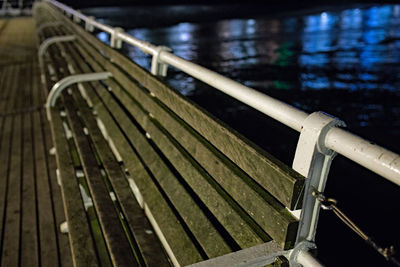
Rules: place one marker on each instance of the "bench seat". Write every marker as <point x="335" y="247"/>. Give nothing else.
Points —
<point x="149" y="178"/>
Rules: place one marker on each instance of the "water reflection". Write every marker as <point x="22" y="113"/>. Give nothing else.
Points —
<point x="314" y="57"/>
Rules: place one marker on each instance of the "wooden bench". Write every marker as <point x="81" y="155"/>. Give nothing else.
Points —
<point x="169" y="183"/>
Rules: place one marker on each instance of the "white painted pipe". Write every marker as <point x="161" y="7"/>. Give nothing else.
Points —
<point x="307" y="260"/>
<point x="365" y="153"/>
<point x="274" y="108"/>
<point x="373" y="157"/>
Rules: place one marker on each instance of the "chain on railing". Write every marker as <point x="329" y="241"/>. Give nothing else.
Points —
<point x="331" y="204"/>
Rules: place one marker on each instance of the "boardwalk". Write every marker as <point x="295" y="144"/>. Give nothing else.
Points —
<point x="30" y="200"/>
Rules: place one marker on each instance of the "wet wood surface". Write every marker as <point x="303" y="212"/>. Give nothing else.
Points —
<point x="30" y="200"/>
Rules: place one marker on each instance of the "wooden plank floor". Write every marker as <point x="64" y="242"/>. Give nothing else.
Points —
<point x="30" y="200"/>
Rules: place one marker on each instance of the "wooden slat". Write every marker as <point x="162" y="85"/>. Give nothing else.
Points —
<point x="207" y="236"/>
<point x="198" y="180"/>
<point x="11" y="238"/>
<point x="214" y="248"/>
<point x="81" y="242"/>
<point x="171" y="228"/>
<point x="116" y="240"/>
<point x="29" y="233"/>
<point x="270" y="214"/>
<point x="149" y="245"/>
<point x="278" y="179"/>
<point x="63" y="243"/>
<point x="47" y="227"/>
<point x="264" y="209"/>
<point x="5" y="144"/>
<point x="184" y="245"/>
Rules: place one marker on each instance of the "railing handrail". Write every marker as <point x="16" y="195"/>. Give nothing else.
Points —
<point x="369" y="155"/>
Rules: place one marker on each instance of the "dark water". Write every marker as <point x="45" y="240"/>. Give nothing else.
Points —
<point x="341" y="60"/>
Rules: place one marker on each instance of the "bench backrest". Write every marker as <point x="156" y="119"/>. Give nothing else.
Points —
<point x="209" y="189"/>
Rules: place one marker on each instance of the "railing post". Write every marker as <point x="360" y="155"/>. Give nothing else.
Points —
<point x="88" y="25"/>
<point x="158" y="67"/>
<point x="76" y="18"/>
<point x="115" y="41"/>
<point x="313" y="161"/>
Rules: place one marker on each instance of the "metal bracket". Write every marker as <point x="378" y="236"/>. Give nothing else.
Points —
<point x="300" y="255"/>
<point x="76" y="18"/>
<point x="158" y="67"/>
<point x="256" y="256"/>
<point x="52" y="40"/>
<point x="313" y="160"/>
<point x="48" y="24"/>
<point x="67" y="81"/>
<point x="115" y="42"/>
<point x="88" y="26"/>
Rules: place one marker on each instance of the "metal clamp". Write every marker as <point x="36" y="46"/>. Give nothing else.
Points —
<point x="313" y="160"/>
<point x="67" y="81"/>
<point x="115" y="42"/>
<point x="48" y="24"/>
<point x="75" y="17"/>
<point x="89" y="26"/>
<point x="158" y="67"/>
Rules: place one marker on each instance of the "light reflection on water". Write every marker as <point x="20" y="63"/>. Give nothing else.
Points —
<point x="346" y="63"/>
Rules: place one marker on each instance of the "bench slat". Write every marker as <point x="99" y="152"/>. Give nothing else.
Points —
<point x="206" y="234"/>
<point x="270" y="214"/>
<point x="63" y="243"/>
<point x="182" y="246"/>
<point x="116" y="240"/>
<point x="148" y="243"/>
<point x="80" y="237"/>
<point x="277" y="178"/>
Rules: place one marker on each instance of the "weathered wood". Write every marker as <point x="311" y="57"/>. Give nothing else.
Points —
<point x="81" y="242"/>
<point x="227" y="216"/>
<point x="11" y="238"/>
<point x="194" y="144"/>
<point x="47" y="227"/>
<point x="269" y="213"/>
<point x="200" y="181"/>
<point x="116" y="240"/>
<point x="148" y="244"/>
<point x="177" y="238"/>
<point x="5" y="144"/>
<point x="29" y="235"/>
<point x="207" y="236"/>
<point x="278" y="179"/>
<point x="63" y="243"/>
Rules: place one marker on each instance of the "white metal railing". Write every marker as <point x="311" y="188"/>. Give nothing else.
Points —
<point x="14" y="8"/>
<point x="371" y="156"/>
<point x="320" y="135"/>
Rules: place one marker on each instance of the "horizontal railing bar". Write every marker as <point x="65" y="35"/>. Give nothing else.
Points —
<point x="365" y="153"/>
<point x="357" y="149"/>
<point x="274" y="108"/>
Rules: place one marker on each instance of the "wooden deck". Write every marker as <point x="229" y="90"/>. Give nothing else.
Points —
<point x="31" y="207"/>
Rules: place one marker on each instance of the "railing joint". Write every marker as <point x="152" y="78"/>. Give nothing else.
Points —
<point x="116" y="42"/>
<point x="158" y="67"/>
